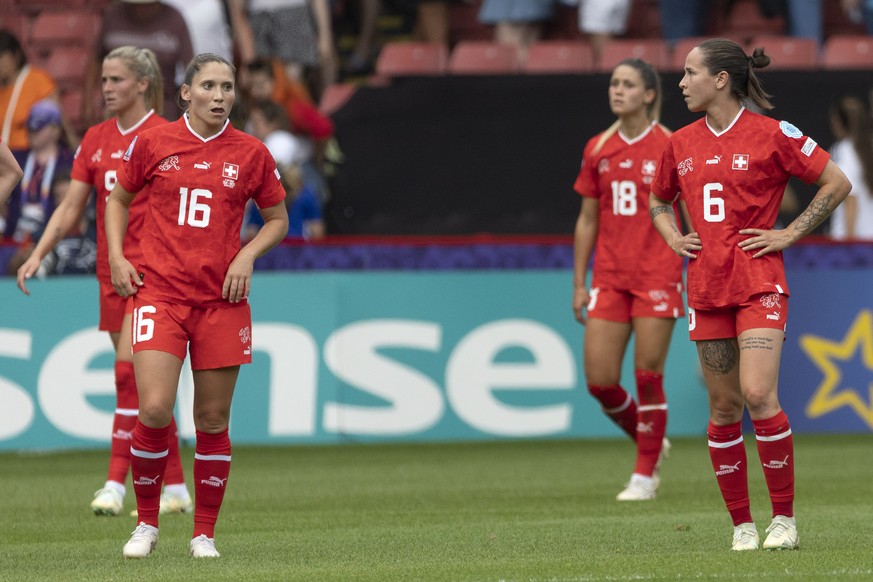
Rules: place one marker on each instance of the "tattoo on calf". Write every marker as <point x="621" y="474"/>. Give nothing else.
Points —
<point x="719" y="356"/>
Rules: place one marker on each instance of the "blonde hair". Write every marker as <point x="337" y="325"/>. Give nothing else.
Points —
<point x="143" y="63"/>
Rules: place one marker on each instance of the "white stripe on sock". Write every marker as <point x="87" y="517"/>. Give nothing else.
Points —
<point x="775" y="437"/>
<point x="716" y="445"/>
<point x="212" y="457"/>
<point x="148" y="455"/>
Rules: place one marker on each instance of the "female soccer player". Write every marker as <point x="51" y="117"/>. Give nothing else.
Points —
<point x="636" y="283"/>
<point x="731" y="168"/>
<point x="190" y="287"/>
<point x="133" y="92"/>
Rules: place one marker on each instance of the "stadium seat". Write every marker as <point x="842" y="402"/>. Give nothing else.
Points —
<point x="412" y="58"/>
<point x="67" y="65"/>
<point x="744" y="20"/>
<point x="652" y="50"/>
<point x="848" y="52"/>
<point x="335" y="96"/>
<point x="483" y="58"/>
<point x="53" y="28"/>
<point x="787" y="52"/>
<point x="559" y="57"/>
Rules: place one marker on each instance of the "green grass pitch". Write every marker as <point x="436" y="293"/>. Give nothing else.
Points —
<point x="498" y="511"/>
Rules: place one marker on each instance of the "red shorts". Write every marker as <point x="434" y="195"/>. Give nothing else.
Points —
<point x="112" y="308"/>
<point x="622" y="305"/>
<point x="765" y="310"/>
<point x="215" y="337"/>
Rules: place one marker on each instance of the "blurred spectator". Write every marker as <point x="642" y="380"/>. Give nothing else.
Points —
<point x="860" y="11"/>
<point x="853" y="152"/>
<point x="146" y="24"/>
<point x="601" y="20"/>
<point x="269" y="123"/>
<point x="430" y="19"/>
<point x="517" y="22"/>
<point x="360" y="62"/>
<point x="804" y="17"/>
<point x="300" y="34"/>
<point x="32" y="201"/>
<point x="20" y="87"/>
<point x="683" y="18"/>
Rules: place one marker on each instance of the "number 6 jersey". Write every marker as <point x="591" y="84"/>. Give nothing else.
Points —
<point x="198" y="188"/>
<point x="730" y="181"/>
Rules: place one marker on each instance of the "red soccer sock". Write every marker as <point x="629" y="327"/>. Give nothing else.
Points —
<point x="651" y="420"/>
<point x="123" y="421"/>
<point x="728" y="455"/>
<point x="174" y="473"/>
<point x="618" y="405"/>
<point x="211" y="469"/>
<point x="776" y="451"/>
<point x="148" y="460"/>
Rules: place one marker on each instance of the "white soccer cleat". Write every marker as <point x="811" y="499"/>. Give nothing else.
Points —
<point x="171" y="503"/>
<point x="107" y="501"/>
<point x="745" y="537"/>
<point x="142" y="541"/>
<point x="782" y="534"/>
<point x="203" y="547"/>
<point x="639" y="488"/>
<point x="664" y="454"/>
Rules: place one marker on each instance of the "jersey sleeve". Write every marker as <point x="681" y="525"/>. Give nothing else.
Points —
<point x="800" y="155"/>
<point x="132" y="173"/>
<point x="666" y="183"/>
<point x="586" y="181"/>
<point x="82" y="170"/>
<point x="270" y="192"/>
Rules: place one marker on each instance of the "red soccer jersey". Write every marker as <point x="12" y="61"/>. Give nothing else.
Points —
<point x="629" y="252"/>
<point x="97" y="161"/>
<point x="730" y="181"/>
<point x="197" y="190"/>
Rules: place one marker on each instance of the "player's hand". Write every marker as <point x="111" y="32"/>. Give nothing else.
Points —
<point x="26" y="271"/>
<point x="580" y="304"/>
<point x="684" y="245"/>
<point x="125" y="279"/>
<point x="238" y="280"/>
<point x="764" y="241"/>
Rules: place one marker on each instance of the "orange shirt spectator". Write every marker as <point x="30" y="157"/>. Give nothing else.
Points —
<point x="20" y="87"/>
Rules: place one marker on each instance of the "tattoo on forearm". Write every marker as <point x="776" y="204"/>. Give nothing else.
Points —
<point x="719" y="356"/>
<point x="656" y="210"/>
<point x="750" y="343"/>
<point x="814" y="215"/>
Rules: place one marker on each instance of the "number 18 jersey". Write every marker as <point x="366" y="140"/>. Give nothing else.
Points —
<point x="733" y="180"/>
<point x="197" y="192"/>
<point x="629" y="252"/>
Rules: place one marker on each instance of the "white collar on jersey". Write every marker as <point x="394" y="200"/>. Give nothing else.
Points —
<point x="135" y="126"/>
<point x="630" y="141"/>
<point x="730" y="125"/>
<point x="198" y="136"/>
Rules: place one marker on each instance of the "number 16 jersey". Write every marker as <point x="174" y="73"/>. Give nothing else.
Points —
<point x="198" y="188"/>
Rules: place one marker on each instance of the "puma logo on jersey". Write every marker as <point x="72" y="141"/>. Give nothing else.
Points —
<point x="774" y="316"/>
<point x="713" y="160"/>
<point x="626" y="164"/>
<point x="202" y="165"/>
<point x="116" y="155"/>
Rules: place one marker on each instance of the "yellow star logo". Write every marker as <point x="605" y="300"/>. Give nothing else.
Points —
<point x="830" y="395"/>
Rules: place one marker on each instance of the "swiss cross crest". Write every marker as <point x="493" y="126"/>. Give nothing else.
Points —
<point x="741" y="162"/>
<point x="230" y="171"/>
<point x="648" y="167"/>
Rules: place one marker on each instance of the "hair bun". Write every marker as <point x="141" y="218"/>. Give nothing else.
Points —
<point x="759" y="60"/>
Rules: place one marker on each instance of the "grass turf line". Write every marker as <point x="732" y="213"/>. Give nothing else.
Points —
<point x="525" y="511"/>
